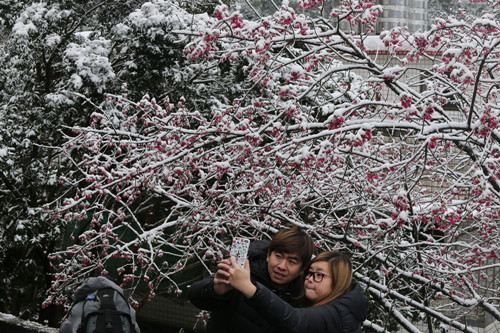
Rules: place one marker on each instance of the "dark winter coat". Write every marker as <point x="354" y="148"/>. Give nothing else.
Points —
<point x="230" y="312"/>
<point x="342" y="315"/>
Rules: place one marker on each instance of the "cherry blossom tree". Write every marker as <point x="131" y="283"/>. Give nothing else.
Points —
<point x="291" y="120"/>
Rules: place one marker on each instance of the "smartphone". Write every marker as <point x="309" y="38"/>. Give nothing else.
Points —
<point x="239" y="249"/>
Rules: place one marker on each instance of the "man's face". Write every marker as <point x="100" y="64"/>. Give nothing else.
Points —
<point x="283" y="267"/>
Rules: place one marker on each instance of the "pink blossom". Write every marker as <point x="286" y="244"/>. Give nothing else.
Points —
<point x="492" y="255"/>
<point x="453" y="218"/>
<point x="371" y="176"/>
<point x="308" y="4"/>
<point x="433" y="142"/>
<point x="294" y="76"/>
<point x="406" y="101"/>
<point x="237" y="21"/>
<point x="429" y="110"/>
<point x="336" y="122"/>
<point x="221" y="12"/>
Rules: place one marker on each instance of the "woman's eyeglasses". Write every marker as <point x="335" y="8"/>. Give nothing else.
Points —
<point x="317" y="276"/>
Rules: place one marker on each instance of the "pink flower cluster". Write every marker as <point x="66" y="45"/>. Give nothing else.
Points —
<point x="406" y="101"/>
<point x="308" y="4"/>
<point x="489" y="121"/>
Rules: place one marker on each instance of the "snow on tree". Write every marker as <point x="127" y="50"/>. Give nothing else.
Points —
<point x="52" y="53"/>
<point x="401" y="171"/>
<point x="283" y="120"/>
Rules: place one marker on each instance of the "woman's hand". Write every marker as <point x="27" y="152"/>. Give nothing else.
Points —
<point x="238" y="277"/>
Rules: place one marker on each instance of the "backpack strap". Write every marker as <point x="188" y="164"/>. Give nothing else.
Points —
<point x="82" y="328"/>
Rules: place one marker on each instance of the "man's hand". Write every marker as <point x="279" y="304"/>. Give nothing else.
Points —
<point x="236" y="276"/>
<point x="221" y="282"/>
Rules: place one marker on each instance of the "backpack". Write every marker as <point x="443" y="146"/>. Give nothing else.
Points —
<point x="99" y="306"/>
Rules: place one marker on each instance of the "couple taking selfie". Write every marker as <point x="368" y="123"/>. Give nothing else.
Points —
<point x="281" y="288"/>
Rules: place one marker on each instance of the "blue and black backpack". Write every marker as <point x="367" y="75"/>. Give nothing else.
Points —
<point x="99" y="306"/>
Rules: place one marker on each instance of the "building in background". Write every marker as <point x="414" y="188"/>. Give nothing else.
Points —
<point x="409" y="13"/>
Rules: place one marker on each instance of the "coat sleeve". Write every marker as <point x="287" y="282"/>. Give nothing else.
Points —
<point x="297" y="320"/>
<point x="202" y="295"/>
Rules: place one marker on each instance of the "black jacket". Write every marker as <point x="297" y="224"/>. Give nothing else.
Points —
<point x="342" y="315"/>
<point x="230" y="312"/>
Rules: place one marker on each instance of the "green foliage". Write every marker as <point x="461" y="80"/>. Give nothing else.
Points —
<point x="53" y="53"/>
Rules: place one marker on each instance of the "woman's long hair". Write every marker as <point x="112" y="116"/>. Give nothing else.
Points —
<point x="340" y="271"/>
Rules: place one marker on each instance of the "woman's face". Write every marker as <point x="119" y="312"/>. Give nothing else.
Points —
<point x="318" y="283"/>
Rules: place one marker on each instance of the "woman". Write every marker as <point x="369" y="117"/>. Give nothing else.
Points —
<point x="338" y="303"/>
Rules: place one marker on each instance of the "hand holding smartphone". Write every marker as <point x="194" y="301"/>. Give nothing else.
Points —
<point x="239" y="249"/>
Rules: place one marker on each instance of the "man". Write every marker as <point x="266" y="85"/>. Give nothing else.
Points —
<point x="278" y="264"/>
